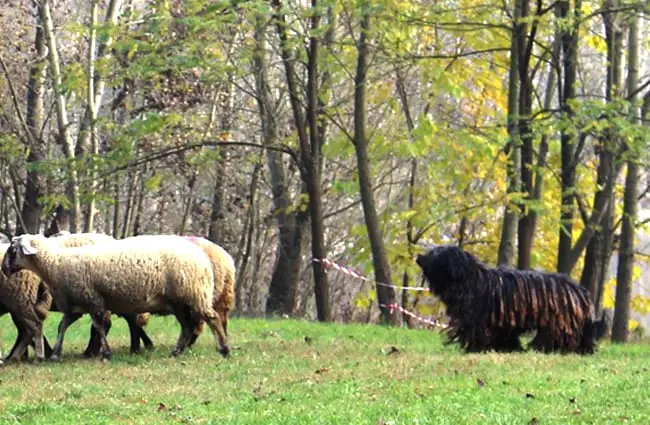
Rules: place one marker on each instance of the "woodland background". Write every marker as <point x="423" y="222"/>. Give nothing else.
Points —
<point x="357" y="130"/>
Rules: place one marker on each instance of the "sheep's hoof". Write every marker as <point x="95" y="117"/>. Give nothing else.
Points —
<point x="55" y="358"/>
<point x="224" y="351"/>
<point x="107" y="356"/>
<point x="176" y="353"/>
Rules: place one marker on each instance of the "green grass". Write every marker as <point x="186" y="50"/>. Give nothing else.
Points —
<point x="344" y="375"/>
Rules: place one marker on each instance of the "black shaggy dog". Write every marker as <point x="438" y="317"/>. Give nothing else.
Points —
<point x="489" y="309"/>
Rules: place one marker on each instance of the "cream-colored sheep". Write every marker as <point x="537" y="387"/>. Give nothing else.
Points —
<point x="223" y="268"/>
<point x="125" y="276"/>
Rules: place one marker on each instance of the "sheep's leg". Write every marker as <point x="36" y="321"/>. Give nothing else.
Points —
<point x="148" y="344"/>
<point x="19" y="337"/>
<point x="185" y="320"/>
<point x="196" y="332"/>
<point x="39" y="346"/>
<point x="46" y="347"/>
<point x="94" y="344"/>
<point x="214" y="321"/>
<point x="224" y="318"/>
<point x="21" y="344"/>
<point x="98" y="323"/>
<point x="134" y="331"/>
<point x="141" y="321"/>
<point x="66" y="321"/>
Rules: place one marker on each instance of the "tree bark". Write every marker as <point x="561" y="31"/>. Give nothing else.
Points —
<point x="63" y="123"/>
<point x="34" y="185"/>
<point x="385" y="295"/>
<point x="526" y="245"/>
<point x="630" y="199"/>
<point x="569" y="37"/>
<point x="291" y="221"/>
<point x="310" y="146"/>
<point x="599" y="249"/>
<point x="510" y="216"/>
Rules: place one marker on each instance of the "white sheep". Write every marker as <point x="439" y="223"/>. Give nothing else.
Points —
<point x="125" y="276"/>
<point x="27" y="298"/>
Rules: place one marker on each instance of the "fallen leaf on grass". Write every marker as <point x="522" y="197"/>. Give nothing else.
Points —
<point x="162" y="407"/>
<point x="577" y="412"/>
<point x="529" y="395"/>
<point x="481" y="383"/>
<point x="143" y="401"/>
<point x="308" y="340"/>
<point x="533" y="421"/>
<point x="572" y="400"/>
<point x="322" y="370"/>
<point x="393" y="350"/>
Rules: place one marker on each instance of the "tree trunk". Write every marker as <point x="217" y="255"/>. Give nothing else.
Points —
<point x="310" y="146"/>
<point x="630" y="199"/>
<point x="63" y="124"/>
<point x="569" y="37"/>
<point x="189" y="202"/>
<point x="410" y="231"/>
<point x="385" y="295"/>
<point x="598" y="252"/>
<point x="246" y="241"/>
<point x="87" y="140"/>
<point x="526" y="246"/>
<point x="291" y="222"/>
<point x="217" y="214"/>
<point x="34" y="185"/>
<point x="510" y="216"/>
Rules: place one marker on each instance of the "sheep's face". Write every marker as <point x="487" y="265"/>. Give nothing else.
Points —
<point x="17" y="256"/>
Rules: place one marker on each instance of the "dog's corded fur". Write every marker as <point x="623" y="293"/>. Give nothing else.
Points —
<point x="489" y="309"/>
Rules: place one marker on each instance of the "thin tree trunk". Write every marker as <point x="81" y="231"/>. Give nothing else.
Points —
<point x="542" y="152"/>
<point x="116" y="207"/>
<point x="385" y="295"/>
<point x="217" y="214"/>
<point x="130" y="201"/>
<point x="34" y="185"/>
<point x="246" y="242"/>
<point x="569" y="37"/>
<point x="310" y="146"/>
<point x="188" y="204"/>
<point x="63" y="124"/>
<point x="525" y="233"/>
<point x="508" y="231"/>
<point x="598" y="252"/>
<point x="630" y="199"/>
<point x="410" y="231"/>
<point x="137" y="221"/>
<point x="291" y="222"/>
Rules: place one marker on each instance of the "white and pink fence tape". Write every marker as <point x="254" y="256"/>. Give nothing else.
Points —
<point x="327" y="264"/>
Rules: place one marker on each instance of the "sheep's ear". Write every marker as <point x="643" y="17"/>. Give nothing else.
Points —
<point x="26" y="248"/>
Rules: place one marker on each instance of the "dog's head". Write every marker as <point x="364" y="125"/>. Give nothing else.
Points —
<point x="446" y="265"/>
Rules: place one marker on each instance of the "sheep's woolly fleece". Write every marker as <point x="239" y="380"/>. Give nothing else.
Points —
<point x="223" y="268"/>
<point x="140" y="276"/>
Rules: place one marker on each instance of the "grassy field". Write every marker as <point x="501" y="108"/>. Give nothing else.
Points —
<point x="297" y="372"/>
